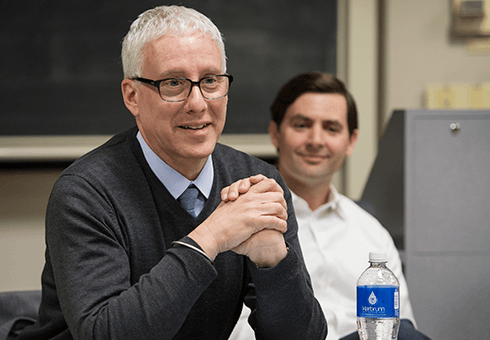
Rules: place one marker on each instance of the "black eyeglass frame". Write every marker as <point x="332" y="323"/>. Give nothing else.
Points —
<point x="156" y="83"/>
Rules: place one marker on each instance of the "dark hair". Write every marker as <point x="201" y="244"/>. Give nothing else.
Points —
<point x="316" y="82"/>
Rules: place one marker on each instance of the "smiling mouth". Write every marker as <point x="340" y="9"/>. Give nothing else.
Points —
<point x="199" y="127"/>
<point x="314" y="156"/>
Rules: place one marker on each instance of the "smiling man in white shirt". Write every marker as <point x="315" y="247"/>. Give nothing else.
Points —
<point x="314" y="127"/>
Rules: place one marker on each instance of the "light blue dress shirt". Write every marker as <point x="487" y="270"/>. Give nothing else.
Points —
<point x="175" y="182"/>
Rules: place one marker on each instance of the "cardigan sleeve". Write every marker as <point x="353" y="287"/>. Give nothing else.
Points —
<point x="90" y="262"/>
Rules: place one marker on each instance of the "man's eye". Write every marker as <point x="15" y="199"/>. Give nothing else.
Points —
<point x="209" y="81"/>
<point x="333" y="127"/>
<point x="173" y="83"/>
<point x="301" y="125"/>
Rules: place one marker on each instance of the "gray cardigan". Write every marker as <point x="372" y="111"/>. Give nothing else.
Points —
<point x="111" y="271"/>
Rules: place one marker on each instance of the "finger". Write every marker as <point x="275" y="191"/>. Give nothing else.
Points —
<point x="267" y="214"/>
<point x="274" y="201"/>
<point x="244" y="186"/>
<point x="272" y="223"/>
<point x="224" y="194"/>
<point x="267" y="185"/>
<point x="231" y="192"/>
<point x="276" y="209"/>
<point x="257" y="178"/>
<point x="265" y="203"/>
<point x="239" y="187"/>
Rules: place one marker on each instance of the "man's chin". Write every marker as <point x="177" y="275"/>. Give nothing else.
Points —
<point x="201" y="150"/>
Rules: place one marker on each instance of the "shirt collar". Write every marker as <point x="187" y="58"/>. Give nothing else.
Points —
<point x="333" y="197"/>
<point x="171" y="179"/>
<point x="333" y="203"/>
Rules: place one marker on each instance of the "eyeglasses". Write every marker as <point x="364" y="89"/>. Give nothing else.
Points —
<point x="179" y="89"/>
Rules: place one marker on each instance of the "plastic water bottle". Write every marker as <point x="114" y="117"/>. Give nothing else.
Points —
<point x="378" y="302"/>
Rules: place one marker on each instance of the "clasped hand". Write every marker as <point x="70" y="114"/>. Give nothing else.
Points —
<point x="250" y="220"/>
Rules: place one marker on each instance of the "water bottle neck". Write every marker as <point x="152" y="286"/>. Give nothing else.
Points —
<point x="378" y="264"/>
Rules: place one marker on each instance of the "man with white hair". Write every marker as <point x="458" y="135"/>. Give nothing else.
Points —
<point x="140" y="244"/>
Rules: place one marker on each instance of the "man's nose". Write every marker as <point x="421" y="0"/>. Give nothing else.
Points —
<point x="316" y="136"/>
<point x="196" y="101"/>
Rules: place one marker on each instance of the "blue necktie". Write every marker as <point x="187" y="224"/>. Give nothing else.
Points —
<point x="188" y="199"/>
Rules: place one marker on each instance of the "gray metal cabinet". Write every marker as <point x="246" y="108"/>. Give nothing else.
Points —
<point x="445" y="218"/>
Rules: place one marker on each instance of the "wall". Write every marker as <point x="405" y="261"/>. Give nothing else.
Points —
<point x="23" y="199"/>
<point x="358" y="68"/>
<point x="420" y="50"/>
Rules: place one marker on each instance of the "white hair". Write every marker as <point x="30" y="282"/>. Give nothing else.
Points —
<point x="158" y="21"/>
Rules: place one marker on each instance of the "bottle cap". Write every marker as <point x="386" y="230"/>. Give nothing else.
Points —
<point x="377" y="256"/>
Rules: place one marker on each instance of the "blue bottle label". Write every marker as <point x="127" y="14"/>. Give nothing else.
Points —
<point x="378" y="302"/>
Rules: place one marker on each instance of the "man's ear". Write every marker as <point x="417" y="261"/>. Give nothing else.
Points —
<point x="274" y="133"/>
<point x="352" y="142"/>
<point x="130" y="95"/>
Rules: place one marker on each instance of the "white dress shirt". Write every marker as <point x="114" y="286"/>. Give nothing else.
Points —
<point x="336" y="240"/>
